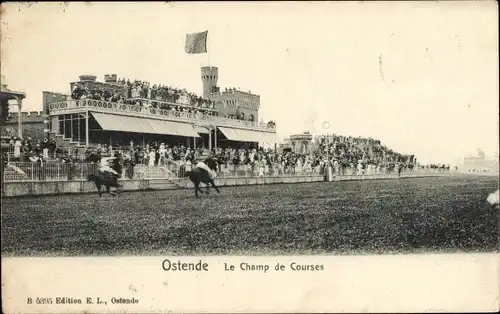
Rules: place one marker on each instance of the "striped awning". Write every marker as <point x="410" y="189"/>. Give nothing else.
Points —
<point x="249" y="135"/>
<point x="267" y="137"/>
<point x="201" y="130"/>
<point x="142" y="125"/>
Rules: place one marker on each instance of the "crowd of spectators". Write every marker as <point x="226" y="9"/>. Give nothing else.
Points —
<point x="27" y="149"/>
<point x="241" y="116"/>
<point x="141" y="90"/>
<point x="342" y="154"/>
<point x="347" y="150"/>
<point x="81" y="91"/>
<point x="365" y="154"/>
<point x="343" y="158"/>
<point x="154" y="97"/>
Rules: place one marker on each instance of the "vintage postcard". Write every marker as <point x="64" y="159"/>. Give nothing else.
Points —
<point x="250" y="157"/>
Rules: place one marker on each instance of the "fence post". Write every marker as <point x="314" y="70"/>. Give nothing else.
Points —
<point x="58" y="177"/>
<point x="32" y="175"/>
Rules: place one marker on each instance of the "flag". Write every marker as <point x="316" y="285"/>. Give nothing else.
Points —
<point x="196" y="43"/>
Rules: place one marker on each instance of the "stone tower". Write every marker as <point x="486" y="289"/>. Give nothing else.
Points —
<point x="209" y="77"/>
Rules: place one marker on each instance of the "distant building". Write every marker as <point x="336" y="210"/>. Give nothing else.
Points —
<point x="298" y="143"/>
<point x="230" y="101"/>
<point x="480" y="163"/>
<point x="32" y="125"/>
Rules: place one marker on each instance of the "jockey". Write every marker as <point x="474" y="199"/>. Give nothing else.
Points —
<point x="200" y="163"/>
<point x="105" y="166"/>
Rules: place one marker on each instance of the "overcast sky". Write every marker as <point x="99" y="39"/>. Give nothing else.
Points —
<point x="421" y="77"/>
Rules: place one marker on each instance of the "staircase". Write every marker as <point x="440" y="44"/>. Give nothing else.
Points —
<point x="162" y="184"/>
<point x="156" y="172"/>
<point x="160" y="178"/>
<point x="13" y="173"/>
<point x="62" y="141"/>
<point x="66" y="143"/>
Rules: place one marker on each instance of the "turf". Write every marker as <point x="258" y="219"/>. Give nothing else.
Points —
<point x="439" y="214"/>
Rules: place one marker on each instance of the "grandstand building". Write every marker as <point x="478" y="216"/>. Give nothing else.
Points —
<point x="142" y="118"/>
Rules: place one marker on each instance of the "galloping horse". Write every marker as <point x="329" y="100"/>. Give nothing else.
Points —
<point x="198" y="175"/>
<point x="106" y="180"/>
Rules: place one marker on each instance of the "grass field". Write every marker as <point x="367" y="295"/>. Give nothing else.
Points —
<point x="355" y="217"/>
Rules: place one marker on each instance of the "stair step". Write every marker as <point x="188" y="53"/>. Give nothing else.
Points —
<point x="161" y="184"/>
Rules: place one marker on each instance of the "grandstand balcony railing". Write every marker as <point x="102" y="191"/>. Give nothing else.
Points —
<point x="54" y="171"/>
<point x="73" y="106"/>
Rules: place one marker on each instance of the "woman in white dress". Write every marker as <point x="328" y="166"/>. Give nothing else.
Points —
<point x="260" y="164"/>
<point x="299" y="164"/>
<point x="151" y="157"/>
<point x="360" y="168"/>
<point x="17" y="148"/>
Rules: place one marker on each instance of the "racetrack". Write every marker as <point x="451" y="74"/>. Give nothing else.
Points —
<point x="435" y="214"/>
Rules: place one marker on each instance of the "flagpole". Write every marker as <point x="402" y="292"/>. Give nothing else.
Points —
<point x="208" y="50"/>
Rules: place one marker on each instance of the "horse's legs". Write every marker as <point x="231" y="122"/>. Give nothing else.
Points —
<point x="215" y="187"/>
<point x="196" y="188"/>
<point x="108" y="189"/>
<point x="99" y="189"/>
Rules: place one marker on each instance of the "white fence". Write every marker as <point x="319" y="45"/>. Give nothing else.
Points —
<point x="28" y="171"/>
<point x="52" y="171"/>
